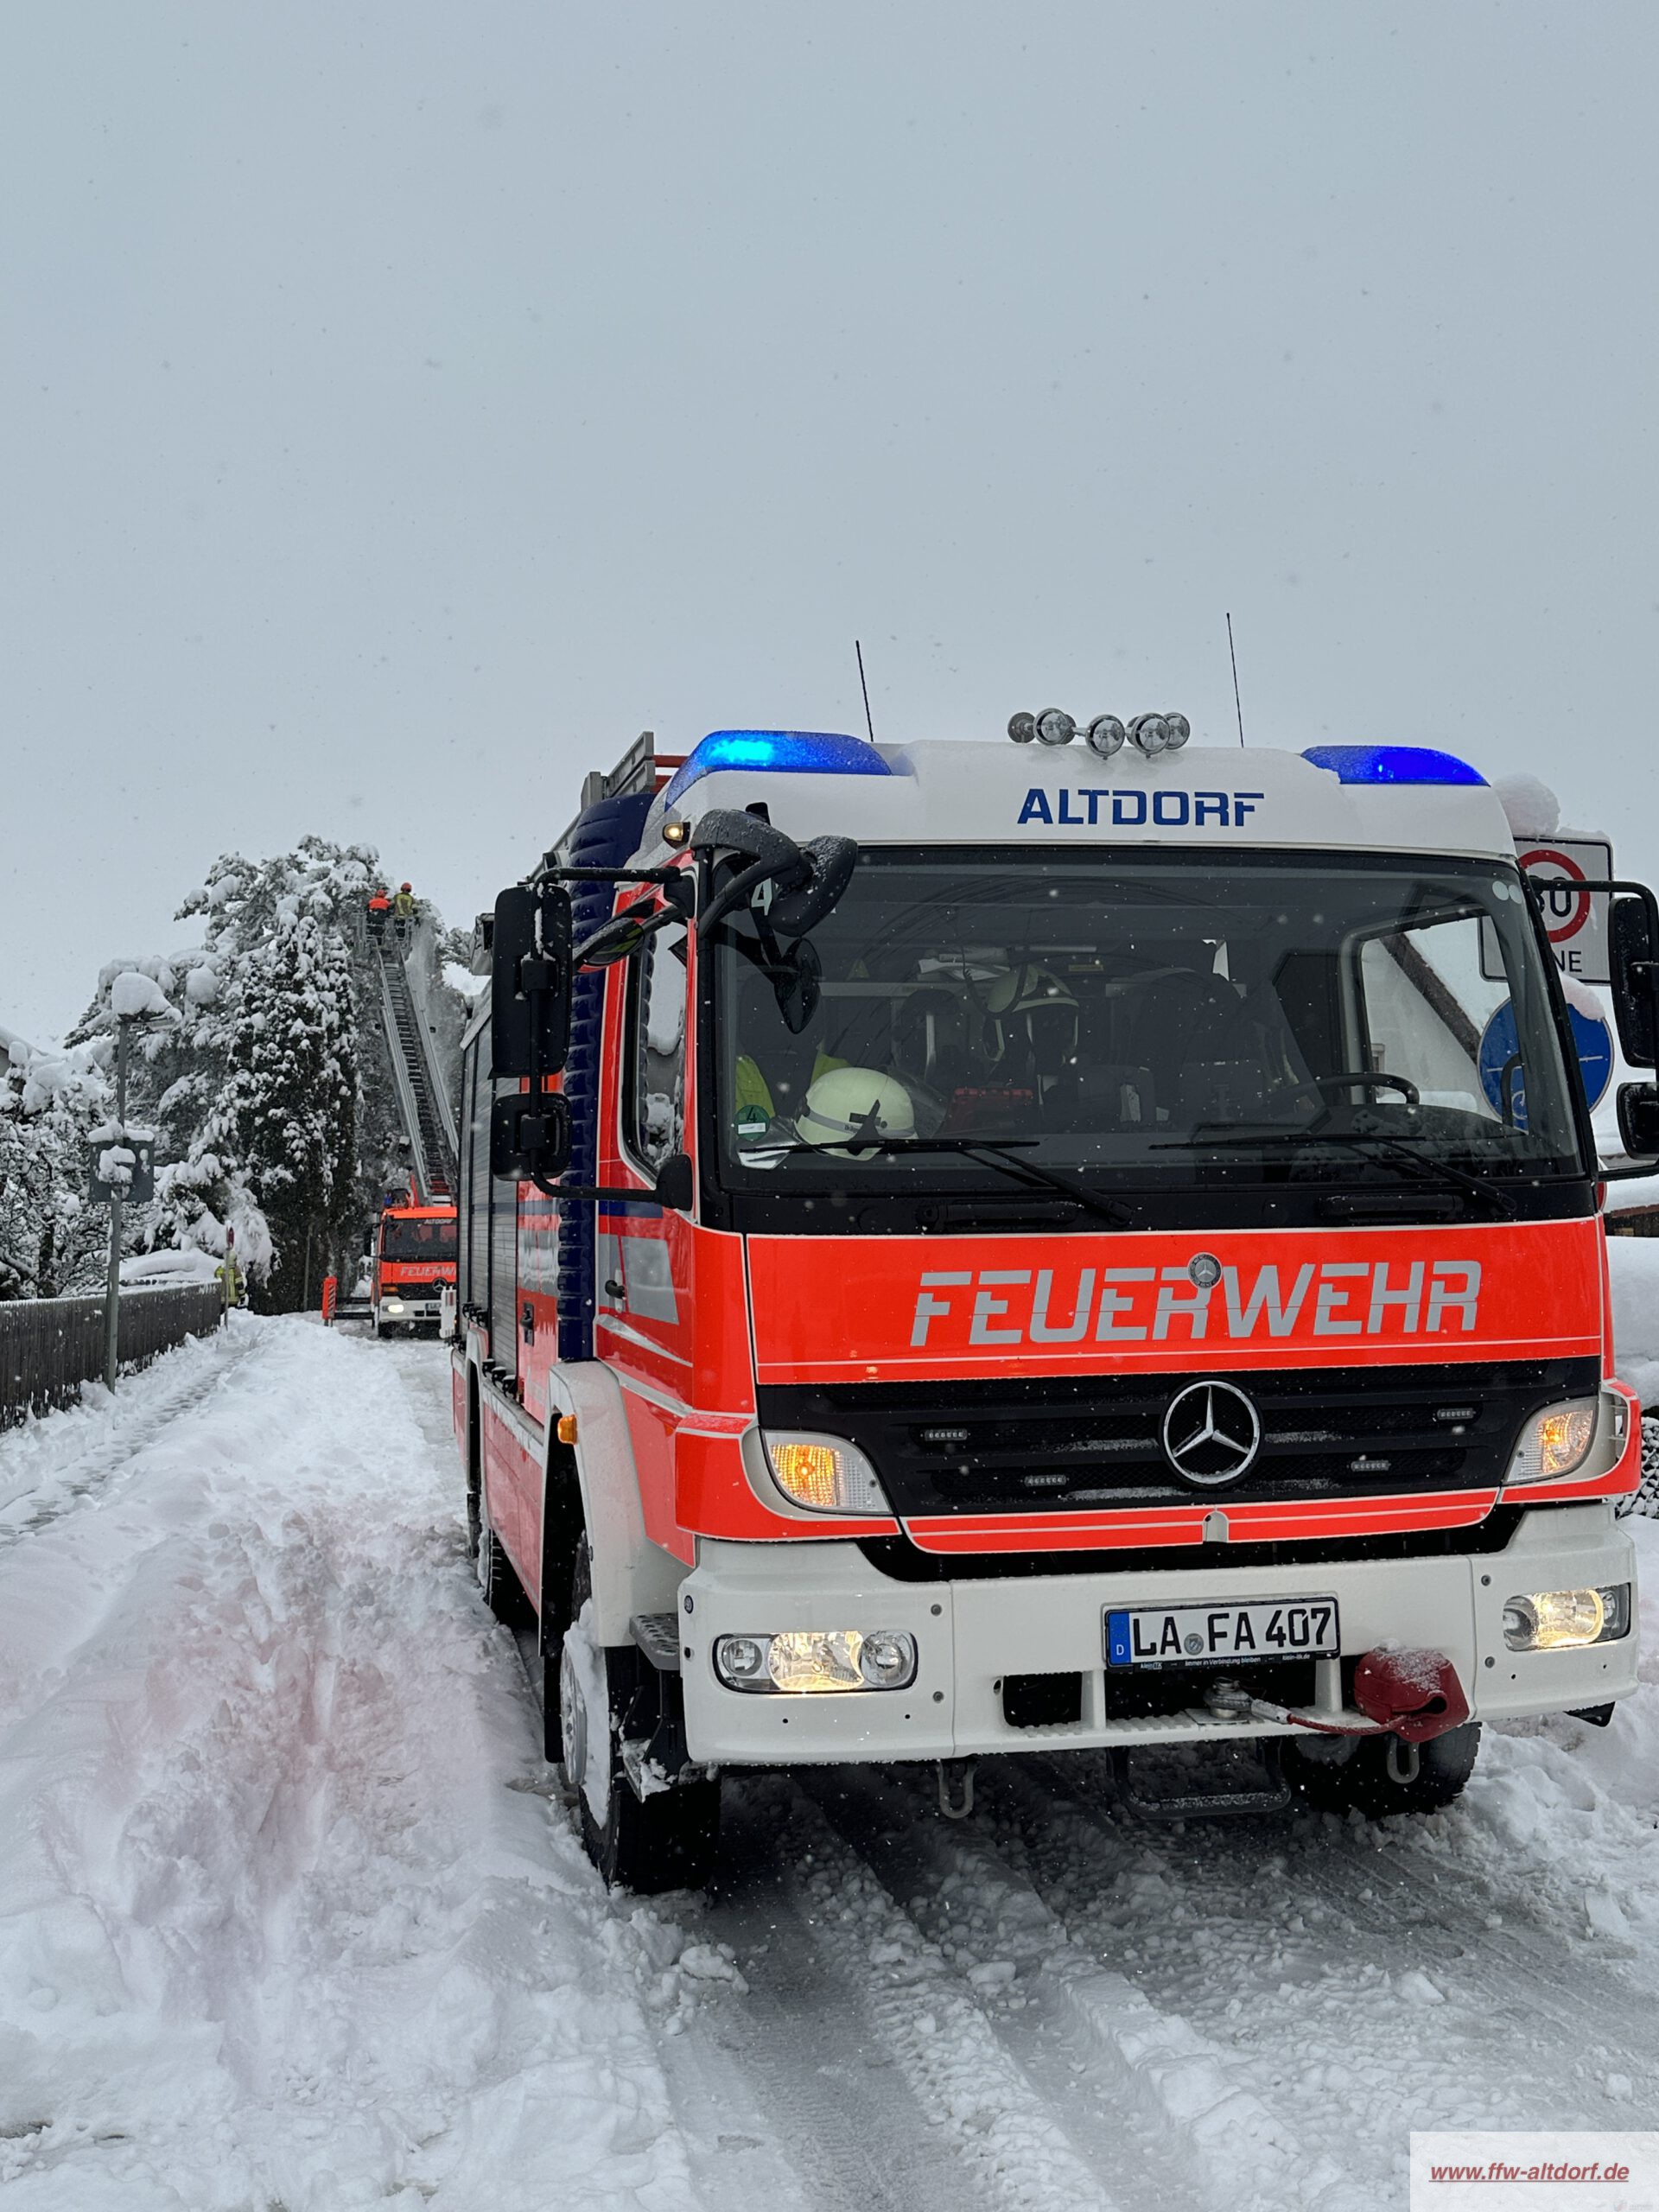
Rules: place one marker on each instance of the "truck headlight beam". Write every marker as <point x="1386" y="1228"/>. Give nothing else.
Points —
<point x="814" y="1662"/>
<point x="1567" y="1620"/>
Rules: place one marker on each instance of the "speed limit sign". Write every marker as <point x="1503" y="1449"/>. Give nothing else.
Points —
<point x="1575" y="921"/>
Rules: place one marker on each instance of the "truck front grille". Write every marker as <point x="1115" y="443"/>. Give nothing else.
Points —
<point x="1066" y="1443"/>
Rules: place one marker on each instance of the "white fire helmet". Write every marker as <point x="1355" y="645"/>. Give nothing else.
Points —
<point x="1033" y="1004"/>
<point x="851" y="1103"/>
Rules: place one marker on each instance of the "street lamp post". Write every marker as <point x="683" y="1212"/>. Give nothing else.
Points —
<point x="122" y="1166"/>
<point x="112" y="1292"/>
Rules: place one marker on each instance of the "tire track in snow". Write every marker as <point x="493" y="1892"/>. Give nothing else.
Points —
<point x="1009" y="2136"/>
<point x="796" y="2056"/>
<point x="1137" y="2083"/>
<point x="765" y="2083"/>
<point x="1297" y="1942"/>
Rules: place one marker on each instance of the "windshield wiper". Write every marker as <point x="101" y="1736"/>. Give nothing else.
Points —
<point x="1433" y="1170"/>
<point x="993" y="1151"/>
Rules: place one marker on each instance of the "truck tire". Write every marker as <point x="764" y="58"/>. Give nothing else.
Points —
<point x="669" y="1842"/>
<point x="503" y="1591"/>
<point x="1362" y="1783"/>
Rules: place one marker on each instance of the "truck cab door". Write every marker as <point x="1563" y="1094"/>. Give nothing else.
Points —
<point x="643" y="1290"/>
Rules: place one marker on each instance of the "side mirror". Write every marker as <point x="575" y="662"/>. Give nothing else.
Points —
<point x="1634" y="980"/>
<point x="676" y="1185"/>
<point x="1638" y="1119"/>
<point x="798" y="985"/>
<point x="830" y="862"/>
<point x="529" y="1135"/>
<point x="529" y="982"/>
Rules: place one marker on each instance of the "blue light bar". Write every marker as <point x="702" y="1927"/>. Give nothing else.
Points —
<point x="1392" y="764"/>
<point x="797" y="751"/>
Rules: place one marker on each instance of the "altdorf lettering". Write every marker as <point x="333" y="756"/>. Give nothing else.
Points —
<point x="1134" y="809"/>
<point x="999" y="1307"/>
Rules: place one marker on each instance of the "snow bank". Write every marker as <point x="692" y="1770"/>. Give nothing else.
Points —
<point x="285" y="1916"/>
<point x="1633" y="1266"/>
<point x="171" y="1267"/>
<point x="1532" y="808"/>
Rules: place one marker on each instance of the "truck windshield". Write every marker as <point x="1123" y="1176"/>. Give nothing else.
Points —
<point x="417" y="1240"/>
<point x="1139" y="1022"/>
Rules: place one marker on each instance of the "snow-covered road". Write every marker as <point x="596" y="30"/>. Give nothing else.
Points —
<point x="289" y="1919"/>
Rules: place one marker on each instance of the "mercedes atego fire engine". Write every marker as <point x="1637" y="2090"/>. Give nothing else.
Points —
<point x="971" y="1246"/>
<point x="414" y="1265"/>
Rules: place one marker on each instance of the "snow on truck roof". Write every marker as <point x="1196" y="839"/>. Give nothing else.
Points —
<point x="1354" y="797"/>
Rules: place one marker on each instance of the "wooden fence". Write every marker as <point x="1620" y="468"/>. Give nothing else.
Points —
<point x="50" y="1346"/>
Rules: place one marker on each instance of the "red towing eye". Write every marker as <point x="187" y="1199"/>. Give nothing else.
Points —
<point x="1415" y="1695"/>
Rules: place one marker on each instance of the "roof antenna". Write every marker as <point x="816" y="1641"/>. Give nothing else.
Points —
<point x="1233" y="656"/>
<point x="865" y="689"/>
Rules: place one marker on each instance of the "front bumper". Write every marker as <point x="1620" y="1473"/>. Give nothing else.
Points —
<point x="395" y="1311"/>
<point x="969" y="1634"/>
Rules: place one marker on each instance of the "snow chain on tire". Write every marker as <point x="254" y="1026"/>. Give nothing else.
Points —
<point x="1646" y="1500"/>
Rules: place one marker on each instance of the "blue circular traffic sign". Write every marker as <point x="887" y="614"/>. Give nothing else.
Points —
<point x="1500" y="1069"/>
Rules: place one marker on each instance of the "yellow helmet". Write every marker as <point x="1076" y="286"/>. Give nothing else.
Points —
<point x="845" y="1103"/>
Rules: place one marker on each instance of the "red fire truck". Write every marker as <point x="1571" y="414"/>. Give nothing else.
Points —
<point x="414" y="1262"/>
<point x="968" y="1247"/>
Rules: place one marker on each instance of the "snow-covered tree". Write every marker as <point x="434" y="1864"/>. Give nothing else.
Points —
<point x="51" y="1240"/>
<point x="259" y="1059"/>
<point x="291" y="1103"/>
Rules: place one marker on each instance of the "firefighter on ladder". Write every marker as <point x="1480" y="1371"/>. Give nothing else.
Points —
<point x="403" y="908"/>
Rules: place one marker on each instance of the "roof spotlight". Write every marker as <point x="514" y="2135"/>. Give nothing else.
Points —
<point x="1179" y="730"/>
<point x="1022" y="728"/>
<point x="1105" y="735"/>
<point x="1149" y="734"/>
<point x="1055" y="727"/>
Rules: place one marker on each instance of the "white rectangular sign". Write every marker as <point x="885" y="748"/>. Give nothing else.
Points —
<point x="1575" y="921"/>
<point x="1481" y="2170"/>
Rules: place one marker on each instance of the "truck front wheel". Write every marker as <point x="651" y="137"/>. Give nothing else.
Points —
<point x="1361" y="1778"/>
<point x="666" y="1841"/>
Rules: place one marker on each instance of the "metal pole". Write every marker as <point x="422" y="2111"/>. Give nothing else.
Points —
<point x="113" y="1295"/>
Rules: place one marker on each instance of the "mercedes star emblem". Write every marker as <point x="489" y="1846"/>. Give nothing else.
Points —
<point x="1211" y="1434"/>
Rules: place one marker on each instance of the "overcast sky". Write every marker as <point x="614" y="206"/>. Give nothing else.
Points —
<point x="403" y="406"/>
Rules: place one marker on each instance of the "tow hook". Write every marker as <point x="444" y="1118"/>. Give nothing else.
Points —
<point x="955" y="1789"/>
<point x="1403" y="1761"/>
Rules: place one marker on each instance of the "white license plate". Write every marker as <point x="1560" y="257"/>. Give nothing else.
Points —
<point x="1187" y="1636"/>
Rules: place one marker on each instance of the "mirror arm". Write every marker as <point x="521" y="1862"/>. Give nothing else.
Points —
<point x="665" y="876"/>
<point x="732" y="894"/>
<point x="660" y="920"/>
<point x="589" y="1193"/>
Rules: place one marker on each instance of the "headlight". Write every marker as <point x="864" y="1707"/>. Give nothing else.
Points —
<point x="806" y="1662"/>
<point x="825" y="1474"/>
<point x="1567" y="1620"/>
<point x="392" y="1305"/>
<point x="1555" y="1442"/>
